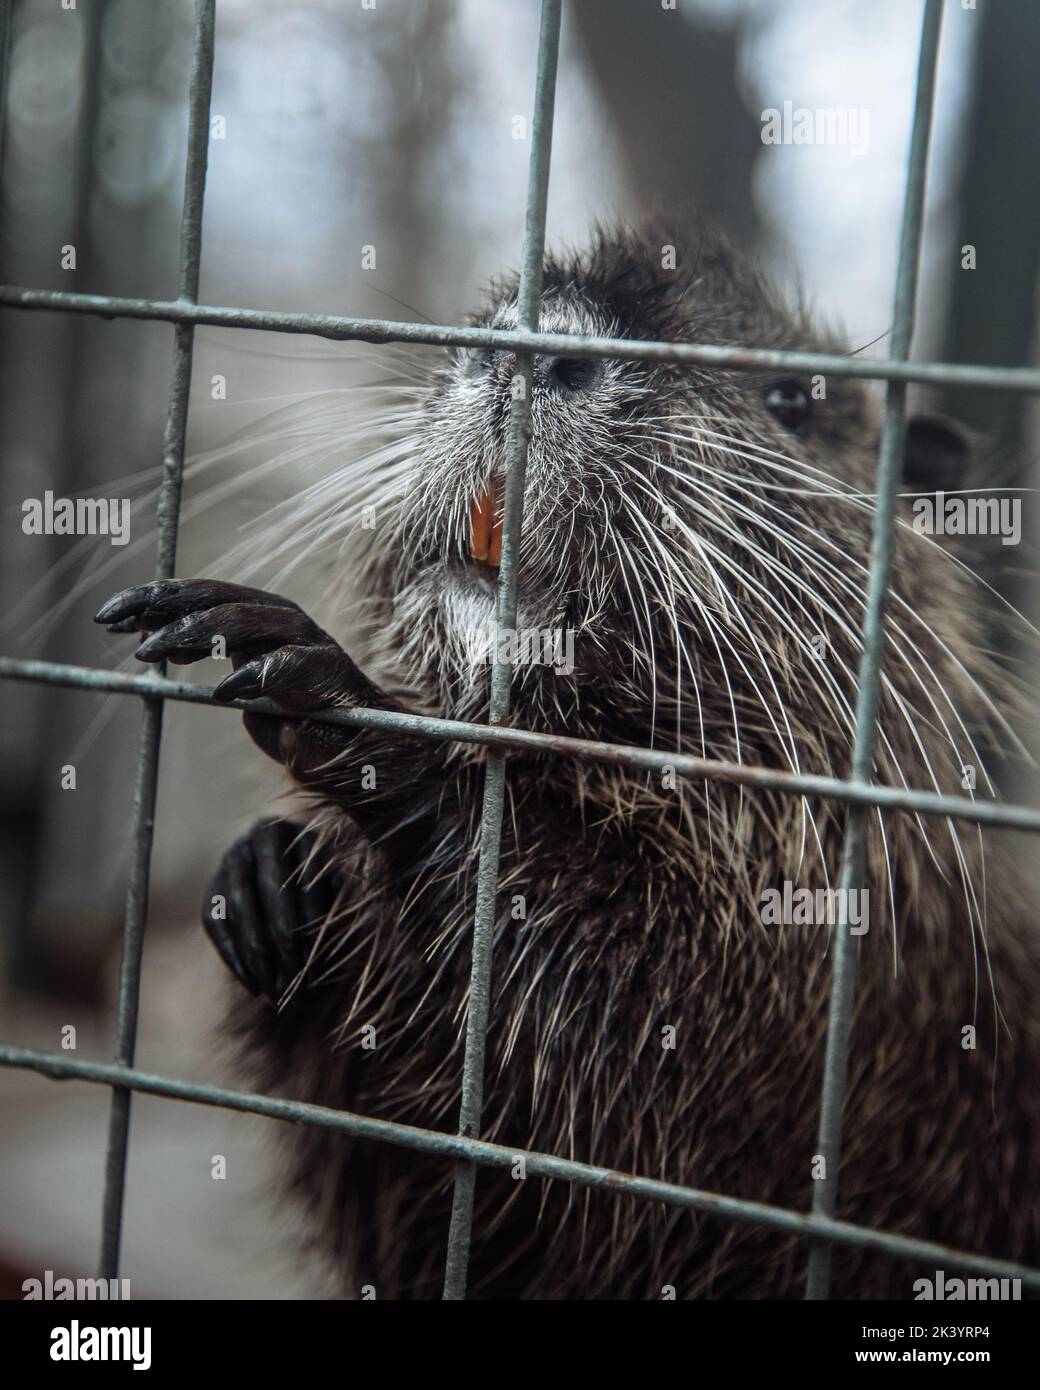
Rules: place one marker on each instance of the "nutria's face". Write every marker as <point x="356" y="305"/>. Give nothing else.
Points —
<point x="449" y="530"/>
<point x="693" y="539"/>
<point x="703" y="535"/>
<point x="584" y="415"/>
<point x="649" y="488"/>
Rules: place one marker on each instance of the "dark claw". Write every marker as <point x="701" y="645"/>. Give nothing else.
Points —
<point x="275" y="863"/>
<point x="300" y="678"/>
<point x="174" y="641"/>
<point x="244" y="684"/>
<point x="274" y="647"/>
<point x="248" y="629"/>
<point x="125" y="605"/>
<point x="246" y="915"/>
<point x="161" y="601"/>
<point x="272" y="906"/>
<point x="238" y="911"/>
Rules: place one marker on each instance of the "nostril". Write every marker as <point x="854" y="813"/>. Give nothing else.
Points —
<point x="574" y="374"/>
<point x="478" y="361"/>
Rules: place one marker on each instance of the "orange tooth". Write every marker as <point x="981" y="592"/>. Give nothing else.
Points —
<point x="480" y="520"/>
<point x="485" y="524"/>
<point x="494" y="555"/>
<point x="498" y="508"/>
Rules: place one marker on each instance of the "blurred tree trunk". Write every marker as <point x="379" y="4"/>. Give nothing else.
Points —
<point x="409" y="203"/>
<point x="669" y="81"/>
<point x="41" y="411"/>
<point x="991" y="311"/>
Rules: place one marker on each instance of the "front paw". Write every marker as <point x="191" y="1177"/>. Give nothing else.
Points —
<point x="277" y="653"/>
<point x="266" y="903"/>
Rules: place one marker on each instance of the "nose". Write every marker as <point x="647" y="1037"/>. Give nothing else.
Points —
<point x="562" y="376"/>
<point x="571" y="376"/>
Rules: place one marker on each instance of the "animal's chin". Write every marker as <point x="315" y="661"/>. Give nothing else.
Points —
<point x="475" y="582"/>
<point x="472" y="579"/>
<point x="462" y="597"/>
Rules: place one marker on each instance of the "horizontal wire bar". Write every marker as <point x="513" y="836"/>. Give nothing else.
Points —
<point x="1016" y="379"/>
<point x="1007" y="814"/>
<point x="538" y="1165"/>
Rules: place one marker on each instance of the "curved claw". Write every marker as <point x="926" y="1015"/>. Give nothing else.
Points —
<point x="276" y="651"/>
<point x="247" y="683"/>
<point x="247" y="630"/>
<point x="262" y="906"/>
<point x="300" y="678"/>
<point x="146" y="607"/>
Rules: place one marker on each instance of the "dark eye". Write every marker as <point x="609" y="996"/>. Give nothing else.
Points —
<point x="788" y="402"/>
<point x="477" y="361"/>
<point x="573" y="374"/>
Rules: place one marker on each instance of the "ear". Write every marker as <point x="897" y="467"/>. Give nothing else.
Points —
<point x="937" y="454"/>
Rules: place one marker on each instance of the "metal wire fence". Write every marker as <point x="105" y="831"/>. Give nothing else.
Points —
<point x="820" y="1228"/>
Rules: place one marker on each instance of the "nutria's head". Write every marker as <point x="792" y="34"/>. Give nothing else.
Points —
<point x="705" y="536"/>
<point x="692" y="570"/>
<point x="702" y="534"/>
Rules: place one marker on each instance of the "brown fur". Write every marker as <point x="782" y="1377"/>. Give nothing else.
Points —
<point x="642" y="901"/>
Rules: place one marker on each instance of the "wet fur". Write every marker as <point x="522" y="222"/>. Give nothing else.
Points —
<point x="643" y="902"/>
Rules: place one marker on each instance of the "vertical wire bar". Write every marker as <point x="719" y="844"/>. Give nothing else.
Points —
<point x="168" y="515"/>
<point x="519" y="437"/>
<point x="889" y="470"/>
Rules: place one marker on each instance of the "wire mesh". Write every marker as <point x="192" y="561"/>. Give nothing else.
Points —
<point x="859" y="792"/>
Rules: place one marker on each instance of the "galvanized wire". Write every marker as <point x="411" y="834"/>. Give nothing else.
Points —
<point x="859" y="792"/>
<point x="168" y="514"/>
<point x="868" y="695"/>
<point x="993" y="813"/>
<point x="60" y="1067"/>
<point x="518" y="438"/>
<point x="1020" y="380"/>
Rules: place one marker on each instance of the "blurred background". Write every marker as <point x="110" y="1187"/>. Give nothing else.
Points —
<point x="345" y="126"/>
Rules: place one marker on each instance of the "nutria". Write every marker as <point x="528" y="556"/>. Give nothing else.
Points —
<point x="703" y="536"/>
